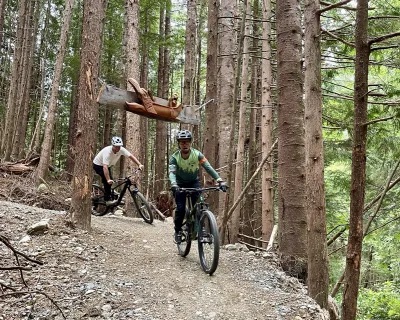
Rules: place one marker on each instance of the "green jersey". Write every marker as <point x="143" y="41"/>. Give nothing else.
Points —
<point x="184" y="171"/>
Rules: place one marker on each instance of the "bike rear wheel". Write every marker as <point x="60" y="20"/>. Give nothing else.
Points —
<point x="143" y="207"/>
<point x="186" y="242"/>
<point x="99" y="207"/>
<point x="208" y="242"/>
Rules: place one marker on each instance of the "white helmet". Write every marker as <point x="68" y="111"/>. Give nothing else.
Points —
<point x="117" y="141"/>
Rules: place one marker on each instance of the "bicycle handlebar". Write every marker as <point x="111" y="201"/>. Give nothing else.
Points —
<point x="135" y="172"/>
<point x="191" y="190"/>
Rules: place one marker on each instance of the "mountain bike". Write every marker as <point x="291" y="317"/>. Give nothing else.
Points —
<point x="200" y="223"/>
<point x="99" y="207"/>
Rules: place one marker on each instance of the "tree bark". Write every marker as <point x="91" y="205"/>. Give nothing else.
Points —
<point x="211" y="118"/>
<point x="266" y="126"/>
<point x="26" y="80"/>
<point x="250" y="215"/>
<point x="11" y="113"/>
<point x="357" y="193"/>
<point x="2" y="11"/>
<point x="190" y="53"/>
<point x="318" y="277"/>
<point x="161" y="126"/>
<point x="235" y="220"/>
<point x="42" y="169"/>
<point x="291" y="149"/>
<point x="134" y="131"/>
<point x="227" y="78"/>
<point x="87" y="112"/>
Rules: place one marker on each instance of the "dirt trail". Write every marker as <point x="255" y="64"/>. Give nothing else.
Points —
<point x="127" y="269"/>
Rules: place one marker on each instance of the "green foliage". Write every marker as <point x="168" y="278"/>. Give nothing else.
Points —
<point x="383" y="303"/>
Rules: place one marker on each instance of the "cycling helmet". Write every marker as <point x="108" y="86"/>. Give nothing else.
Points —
<point x="116" y="141"/>
<point x="184" y="135"/>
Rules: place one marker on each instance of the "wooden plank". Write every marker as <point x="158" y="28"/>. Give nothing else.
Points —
<point x="115" y="97"/>
<point x="118" y="98"/>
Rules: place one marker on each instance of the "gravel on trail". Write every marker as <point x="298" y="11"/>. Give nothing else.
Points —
<point x="127" y="269"/>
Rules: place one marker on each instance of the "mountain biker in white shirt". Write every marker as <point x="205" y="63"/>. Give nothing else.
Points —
<point x="108" y="157"/>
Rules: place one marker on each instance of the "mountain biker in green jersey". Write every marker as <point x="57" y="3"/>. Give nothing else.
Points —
<point x="184" y="167"/>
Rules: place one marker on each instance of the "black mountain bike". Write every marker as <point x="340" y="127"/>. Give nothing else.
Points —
<point x="99" y="207"/>
<point x="200" y="224"/>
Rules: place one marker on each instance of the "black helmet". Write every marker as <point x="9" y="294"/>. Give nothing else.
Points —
<point x="184" y="134"/>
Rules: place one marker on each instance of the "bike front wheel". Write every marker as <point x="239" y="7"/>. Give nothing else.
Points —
<point x="99" y="207"/>
<point x="143" y="207"/>
<point x="208" y="242"/>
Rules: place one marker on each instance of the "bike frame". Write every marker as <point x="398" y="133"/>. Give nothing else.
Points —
<point x="200" y="204"/>
<point x="127" y="184"/>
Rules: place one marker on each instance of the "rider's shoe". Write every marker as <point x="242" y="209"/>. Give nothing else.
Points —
<point x="111" y="202"/>
<point x="178" y="237"/>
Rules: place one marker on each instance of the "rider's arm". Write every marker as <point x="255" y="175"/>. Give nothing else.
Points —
<point x="172" y="170"/>
<point x="106" y="172"/>
<point x="135" y="160"/>
<point x="207" y="166"/>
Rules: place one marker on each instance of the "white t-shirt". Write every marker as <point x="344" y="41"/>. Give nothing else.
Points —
<point x="108" y="157"/>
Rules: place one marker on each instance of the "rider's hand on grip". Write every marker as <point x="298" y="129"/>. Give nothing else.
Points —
<point x="141" y="167"/>
<point x="223" y="186"/>
<point x="110" y="181"/>
<point x="174" y="187"/>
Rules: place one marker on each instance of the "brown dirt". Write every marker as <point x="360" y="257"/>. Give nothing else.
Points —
<point x="127" y="269"/>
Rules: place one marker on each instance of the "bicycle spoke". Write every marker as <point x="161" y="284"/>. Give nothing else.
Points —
<point x="186" y="242"/>
<point x="208" y="242"/>
<point x="143" y="207"/>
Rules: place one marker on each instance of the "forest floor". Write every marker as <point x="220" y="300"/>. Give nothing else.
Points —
<point x="127" y="269"/>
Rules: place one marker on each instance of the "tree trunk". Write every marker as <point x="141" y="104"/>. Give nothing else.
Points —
<point x="87" y="111"/>
<point x="11" y="113"/>
<point x="318" y="277"/>
<point x="249" y="212"/>
<point x="42" y="63"/>
<point x="37" y="82"/>
<point x="144" y="122"/>
<point x="108" y="126"/>
<point x="227" y="78"/>
<point x="42" y="169"/>
<point x="267" y="209"/>
<point x="32" y="23"/>
<point x="190" y="58"/>
<point x="211" y="118"/>
<point x="166" y="54"/>
<point x="2" y="11"/>
<point x="291" y="148"/>
<point x="161" y="126"/>
<point x="133" y="123"/>
<point x="357" y="193"/>
<point x="235" y="220"/>
<point x="197" y="136"/>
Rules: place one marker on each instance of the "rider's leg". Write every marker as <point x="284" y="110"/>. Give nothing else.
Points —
<point x="107" y="187"/>
<point x="180" y="199"/>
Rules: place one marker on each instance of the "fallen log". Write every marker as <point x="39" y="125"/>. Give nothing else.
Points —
<point x="17" y="168"/>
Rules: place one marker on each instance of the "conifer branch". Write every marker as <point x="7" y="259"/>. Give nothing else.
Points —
<point x="384" y="48"/>
<point x="378" y="120"/>
<point x="384" y="37"/>
<point x="333" y="6"/>
<point x="339" y="39"/>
